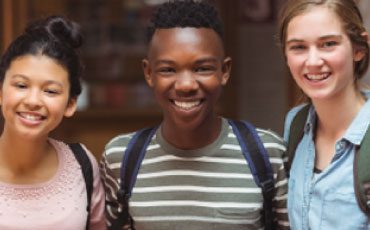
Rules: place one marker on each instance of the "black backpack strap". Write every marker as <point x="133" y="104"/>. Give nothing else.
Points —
<point x="259" y="164"/>
<point x="87" y="172"/>
<point x="130" y="165"/>
<point x="296" y="134"/>
<point x="361" y="174"/>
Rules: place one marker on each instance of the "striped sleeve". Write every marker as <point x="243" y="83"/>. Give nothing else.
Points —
<point x="276" y="149"/>
<point x="110" y="172"/>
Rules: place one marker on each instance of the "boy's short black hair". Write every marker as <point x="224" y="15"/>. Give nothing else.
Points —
<point x="185" y="13"/>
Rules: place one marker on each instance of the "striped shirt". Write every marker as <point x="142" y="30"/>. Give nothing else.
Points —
<point x="207" y="188"/>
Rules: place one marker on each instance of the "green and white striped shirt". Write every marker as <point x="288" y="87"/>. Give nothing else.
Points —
<point x="207" y="188"/>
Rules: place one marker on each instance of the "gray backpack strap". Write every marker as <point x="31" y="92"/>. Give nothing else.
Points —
<point x="296" y="134"/>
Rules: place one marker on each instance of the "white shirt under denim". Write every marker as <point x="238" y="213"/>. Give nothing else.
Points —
<point x="326" y="200"/>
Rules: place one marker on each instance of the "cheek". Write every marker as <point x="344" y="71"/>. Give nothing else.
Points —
<point x="212" y="86"/>
<point x="9" y="97"/>
<point x="57" y="107"/>
<point x="295" y="65"/>
<point x="341" y="62"/>
<point x="294" y="62"/>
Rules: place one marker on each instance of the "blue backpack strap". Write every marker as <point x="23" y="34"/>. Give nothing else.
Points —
<point x="87" y="172"/>
<point x="259" y="164"/>
<point x="130" y="165"/>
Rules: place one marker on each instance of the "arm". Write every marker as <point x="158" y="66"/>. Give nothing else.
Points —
<point x="97" y="217"/>
<point x="276" y="149"/>
<point x="280" y="199"/>
<point x="111" y="186"/>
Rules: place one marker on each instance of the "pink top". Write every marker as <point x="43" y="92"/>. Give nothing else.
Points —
<point x="59" y="203"/>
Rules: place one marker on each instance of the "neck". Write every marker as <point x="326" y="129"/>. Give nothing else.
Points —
<point x="22" y="155"/>
<point x="192" y="138"/>
<point x="336" y="114"/>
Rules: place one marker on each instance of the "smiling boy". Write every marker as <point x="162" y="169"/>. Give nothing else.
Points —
<point x="193" y="175"/>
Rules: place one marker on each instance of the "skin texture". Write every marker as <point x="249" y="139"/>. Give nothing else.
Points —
<point x="186" y="69"/>
<point x="33" y="103"/>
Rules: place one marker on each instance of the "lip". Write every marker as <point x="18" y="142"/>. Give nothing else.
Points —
<point x="31" y="118"/>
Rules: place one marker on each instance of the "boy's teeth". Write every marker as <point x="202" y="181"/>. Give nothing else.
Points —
<point x="187" y="105"/>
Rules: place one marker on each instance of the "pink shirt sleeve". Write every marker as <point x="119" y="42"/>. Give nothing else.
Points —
<point x="97" y="216"/>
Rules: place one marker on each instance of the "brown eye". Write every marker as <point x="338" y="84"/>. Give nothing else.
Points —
<point x="329" y="44"/>
<point x="205" y="69"/>
<point x="166" y="70"/>
<point x="20" y="85"/>
<point x="296" y="47"/>
<point x="51" y="91"/>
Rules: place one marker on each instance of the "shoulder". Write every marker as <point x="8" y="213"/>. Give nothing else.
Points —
<point x="293" y="112"/>
<point x="273" y="142"/>
<point x="64" y="147"/>
<point x="289" y="118"/>
<point x="115" y="148"/>
<point x="269" y="136"/>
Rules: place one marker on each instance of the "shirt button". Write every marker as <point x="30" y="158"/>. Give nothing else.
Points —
<point x="307" y="128"/>
<point x="340" y="145"/>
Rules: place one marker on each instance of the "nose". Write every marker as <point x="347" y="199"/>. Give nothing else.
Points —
<point x="314" y="58"/>
<point x="33" y="99"/>
<point x="186" y="82"/>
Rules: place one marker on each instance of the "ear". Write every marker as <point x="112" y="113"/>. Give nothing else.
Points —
<point x="71" y="107"/>
<point x="147" y="72"/>
<point x="226" y="69"/>
<point x="359" y="54"/>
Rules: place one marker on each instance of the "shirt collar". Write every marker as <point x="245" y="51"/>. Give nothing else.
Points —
<point x="357" y="130"/>
<point x="311" y="120"/>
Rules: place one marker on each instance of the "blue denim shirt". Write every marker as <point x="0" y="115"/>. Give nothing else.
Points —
<point x="326" y="200"/>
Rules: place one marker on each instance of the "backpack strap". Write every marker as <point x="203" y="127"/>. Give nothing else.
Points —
<point x="296" y="134"/>
<point x="87" y="172"/>
<point x="361" y="174"/>
<point x="130" y="165"/>
<point x="259" y="164"/>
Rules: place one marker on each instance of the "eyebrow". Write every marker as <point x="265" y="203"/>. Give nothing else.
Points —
<point x="208" y="59"/>
<point x="330" y="36"/>
<point x="48" y="82"/>
<point x="19" y="76"/>
<point x="199" y="61"/>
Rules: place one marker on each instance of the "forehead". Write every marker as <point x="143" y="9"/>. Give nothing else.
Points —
<point x="317" y="21"/>
<point x="185" y="40"/>
<point x="37" y="67"/>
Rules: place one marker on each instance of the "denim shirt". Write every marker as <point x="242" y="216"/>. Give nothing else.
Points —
<point x="326" y="200"/>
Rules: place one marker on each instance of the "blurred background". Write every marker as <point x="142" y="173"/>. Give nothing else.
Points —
<point x="115" y="97"/>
